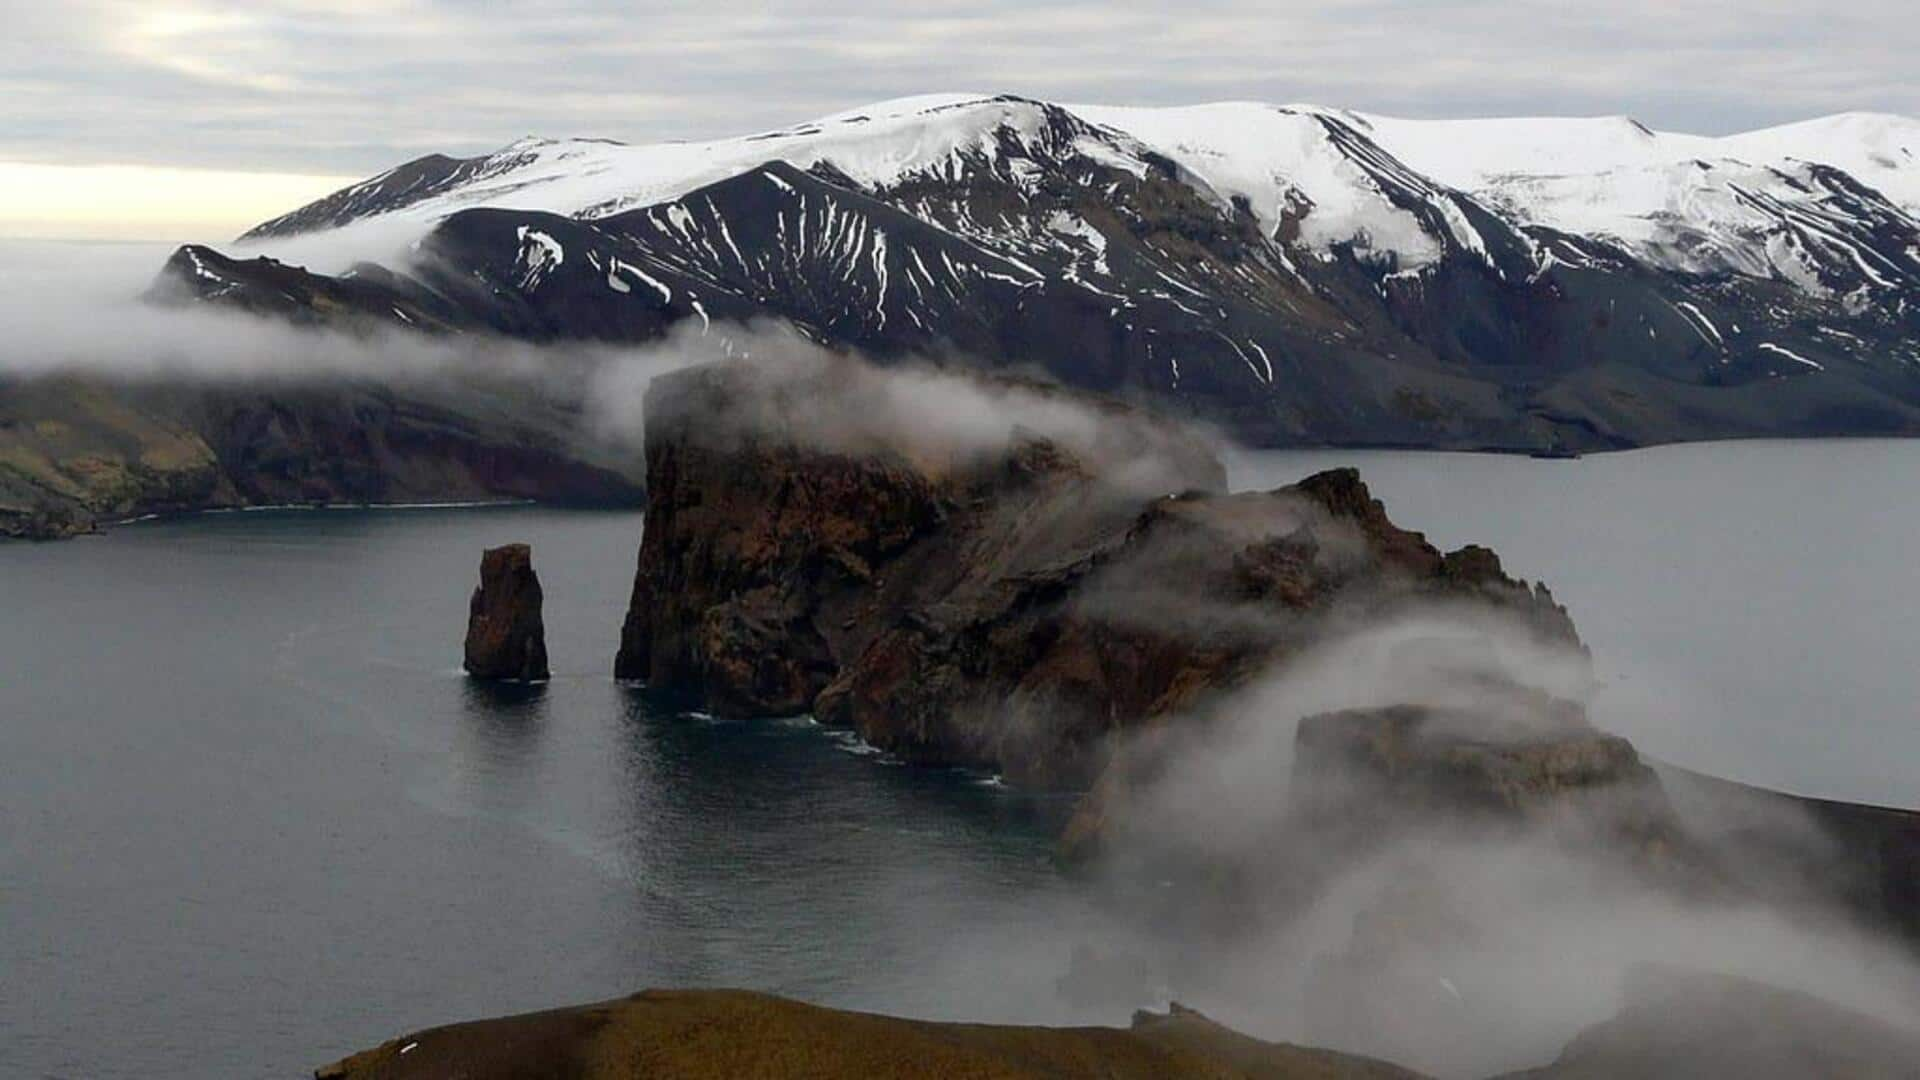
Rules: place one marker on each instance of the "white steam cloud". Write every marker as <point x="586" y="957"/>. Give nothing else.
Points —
<point x="76" y="310"/>
<point x="1462" y="951"/>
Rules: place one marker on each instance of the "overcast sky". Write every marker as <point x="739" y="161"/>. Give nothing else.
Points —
<point x="332" y="88"/>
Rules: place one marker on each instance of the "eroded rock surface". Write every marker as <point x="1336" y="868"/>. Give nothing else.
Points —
<point x="506" y="637"/>
<point x="1007" y="607"/>
<point x="79" y="452"/>
<point x="1519" y="761"/>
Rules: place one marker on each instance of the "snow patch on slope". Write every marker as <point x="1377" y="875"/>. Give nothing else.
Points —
<point x="1283" y="164"/>
<point x="1396" y="193"/>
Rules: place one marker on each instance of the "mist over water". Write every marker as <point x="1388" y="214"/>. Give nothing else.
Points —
<point x="256" y="819"/>
<point x="1751" y="606"/>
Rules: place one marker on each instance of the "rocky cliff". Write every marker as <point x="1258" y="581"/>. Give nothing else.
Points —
<point x="506" y="639"/>
<point x="1518" y="761"/>
<point x="78" y="452"/>
<point x="1007" y="608"/>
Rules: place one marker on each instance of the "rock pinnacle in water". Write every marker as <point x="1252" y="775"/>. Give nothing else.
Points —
<point x="506" y="639"/>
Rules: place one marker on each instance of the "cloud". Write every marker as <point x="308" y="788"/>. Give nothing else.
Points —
<point x="76" y="309"/>
<point x="1463" y="945"/>
<point x="343" y="86"/>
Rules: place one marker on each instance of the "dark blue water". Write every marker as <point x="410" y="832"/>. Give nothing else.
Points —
<point x="252" y="818"/>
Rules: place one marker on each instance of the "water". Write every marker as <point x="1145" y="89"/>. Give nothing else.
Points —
<point x="252" y="818"/>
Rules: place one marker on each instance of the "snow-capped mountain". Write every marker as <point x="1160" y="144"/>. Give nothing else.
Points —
<point x="1298" y="273"/>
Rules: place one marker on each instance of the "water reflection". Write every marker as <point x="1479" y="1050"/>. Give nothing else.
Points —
<point x="518" y="701"/>
<point x="498" y="748"/>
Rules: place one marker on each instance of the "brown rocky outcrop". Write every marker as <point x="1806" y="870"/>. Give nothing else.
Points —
<point x="1519" y="760"/>
<point x="1007" y="608"/>
<point x="1069" y="609"/>
<point x="506" y="638"/>
<point x="1517" y="788"/>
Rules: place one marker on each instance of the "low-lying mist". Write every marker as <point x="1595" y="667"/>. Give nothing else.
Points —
<point x="1462" y="948"/>
<point x="78" y="310"/>
<point x="1452" y="951"/>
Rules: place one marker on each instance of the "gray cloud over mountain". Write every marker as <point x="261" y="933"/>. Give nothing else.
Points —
<point x="350" y="86"/>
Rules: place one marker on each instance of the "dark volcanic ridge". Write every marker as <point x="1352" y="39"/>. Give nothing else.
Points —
<point x="1294" y="276"/>
<point x="81" y="451"/>
<point x="1128" y="265"/>
<point x="1007" y="603"/>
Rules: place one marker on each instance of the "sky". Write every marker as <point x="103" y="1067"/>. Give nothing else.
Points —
<point x="213" y="116"/>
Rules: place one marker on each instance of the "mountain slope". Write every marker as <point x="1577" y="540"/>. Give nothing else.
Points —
<point x="1298" y="274"/>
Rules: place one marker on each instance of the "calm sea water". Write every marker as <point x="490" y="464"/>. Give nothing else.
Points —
<point x="252" y="818"/>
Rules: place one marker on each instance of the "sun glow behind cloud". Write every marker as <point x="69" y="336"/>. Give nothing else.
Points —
<point x="138" y="202"/>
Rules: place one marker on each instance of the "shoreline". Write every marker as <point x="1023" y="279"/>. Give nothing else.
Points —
<point x="175" y="515"/>
<point x="1233" y="453"/>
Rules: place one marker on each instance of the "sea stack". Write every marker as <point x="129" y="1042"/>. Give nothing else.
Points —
<point x="506" y="640"/>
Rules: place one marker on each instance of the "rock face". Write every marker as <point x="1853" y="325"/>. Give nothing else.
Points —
<point x="1068" y="610"/>
<point x="78" y="452"/>
<point x="1427" y="800"/>
<point x="1007" y="609"/>
<point x="506" y="639"/>
<point x="1517" y="760"/>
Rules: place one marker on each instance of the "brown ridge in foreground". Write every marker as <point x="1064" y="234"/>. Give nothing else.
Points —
<point x="1674" y="1023"/>
<point x="726" y="1034"/>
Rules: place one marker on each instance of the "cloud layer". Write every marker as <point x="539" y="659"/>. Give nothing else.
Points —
<point x="352" y="86"/>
